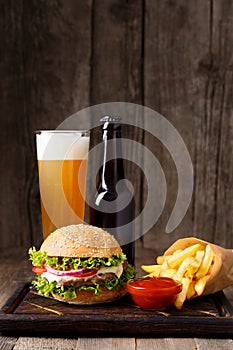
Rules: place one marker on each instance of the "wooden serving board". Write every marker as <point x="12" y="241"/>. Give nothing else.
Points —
<point x="27" y="313"/>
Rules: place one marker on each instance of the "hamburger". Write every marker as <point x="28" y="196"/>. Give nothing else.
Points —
<point x="80" y="264"/>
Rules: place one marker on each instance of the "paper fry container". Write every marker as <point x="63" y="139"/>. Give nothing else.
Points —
<point x="221" y="275"/>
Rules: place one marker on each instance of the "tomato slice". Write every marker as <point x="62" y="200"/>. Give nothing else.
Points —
<point x="39" y="270"/>
<point x="80" y="273"/>
<point x="88" y="273"/>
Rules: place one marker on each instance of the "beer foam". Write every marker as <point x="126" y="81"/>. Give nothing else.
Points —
<point x="60" y="145"/>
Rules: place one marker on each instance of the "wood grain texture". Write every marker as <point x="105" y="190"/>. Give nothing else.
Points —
<point x="9" y="269"/>
<point x="214" y="344"/>
<point x="26" y="313"/>
<point x="213" y="159"/>
<point x="222" y="53"/>
<point x="106" y="344"/>
<point x="45" y="343"/>
<point x="116" y="51"/>
<point x="47" y="71"/>
<point x="181" y="31"/>
<point x="175" y="57"/>
<point x="182" y="88"/>
<point x="12" y="118"/>
<point x="57" y="74"/>
<point x="7" y="343"/>
<point x="166" y="343"/>
<point x="116" y="66"/>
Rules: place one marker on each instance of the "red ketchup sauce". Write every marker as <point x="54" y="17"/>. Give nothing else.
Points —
<point x="156" y="293"/>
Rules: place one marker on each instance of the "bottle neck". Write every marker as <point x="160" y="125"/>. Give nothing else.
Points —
<point x="112" y="170"/>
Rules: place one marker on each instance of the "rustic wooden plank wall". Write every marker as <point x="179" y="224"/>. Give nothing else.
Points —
<point x="174" y="56"/>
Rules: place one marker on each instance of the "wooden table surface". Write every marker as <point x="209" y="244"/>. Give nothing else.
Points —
<point x="14" y="271"/>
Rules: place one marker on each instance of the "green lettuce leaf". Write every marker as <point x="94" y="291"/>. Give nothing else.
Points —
<point x="39" y="258"/>
<point x="48" y="288"/>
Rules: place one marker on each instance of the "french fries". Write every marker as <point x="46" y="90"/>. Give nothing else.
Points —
<point x="191" y="266"/>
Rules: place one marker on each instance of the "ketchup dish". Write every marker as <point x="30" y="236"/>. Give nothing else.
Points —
<point x="156" y="293"/>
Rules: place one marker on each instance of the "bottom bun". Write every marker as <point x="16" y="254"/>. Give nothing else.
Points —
<point x="86" y="297"/>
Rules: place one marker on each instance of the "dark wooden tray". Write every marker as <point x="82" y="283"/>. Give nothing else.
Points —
<point x="27" y="313"/>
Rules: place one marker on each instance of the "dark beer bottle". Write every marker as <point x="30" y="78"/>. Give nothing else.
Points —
<point x="112" y="206"/>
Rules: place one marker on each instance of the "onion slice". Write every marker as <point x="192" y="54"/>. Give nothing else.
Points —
<point x="73" y="273"/>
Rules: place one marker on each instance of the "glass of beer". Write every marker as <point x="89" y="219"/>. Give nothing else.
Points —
<point x="62" y="165"/>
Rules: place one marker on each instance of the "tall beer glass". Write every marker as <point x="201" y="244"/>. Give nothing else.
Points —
<point x="62" y="164"/>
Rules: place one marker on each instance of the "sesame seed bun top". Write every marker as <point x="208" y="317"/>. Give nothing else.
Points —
<point x="81" y="241"/>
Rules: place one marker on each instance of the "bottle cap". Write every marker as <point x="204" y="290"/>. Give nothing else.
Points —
<point x="111" y="119"/>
